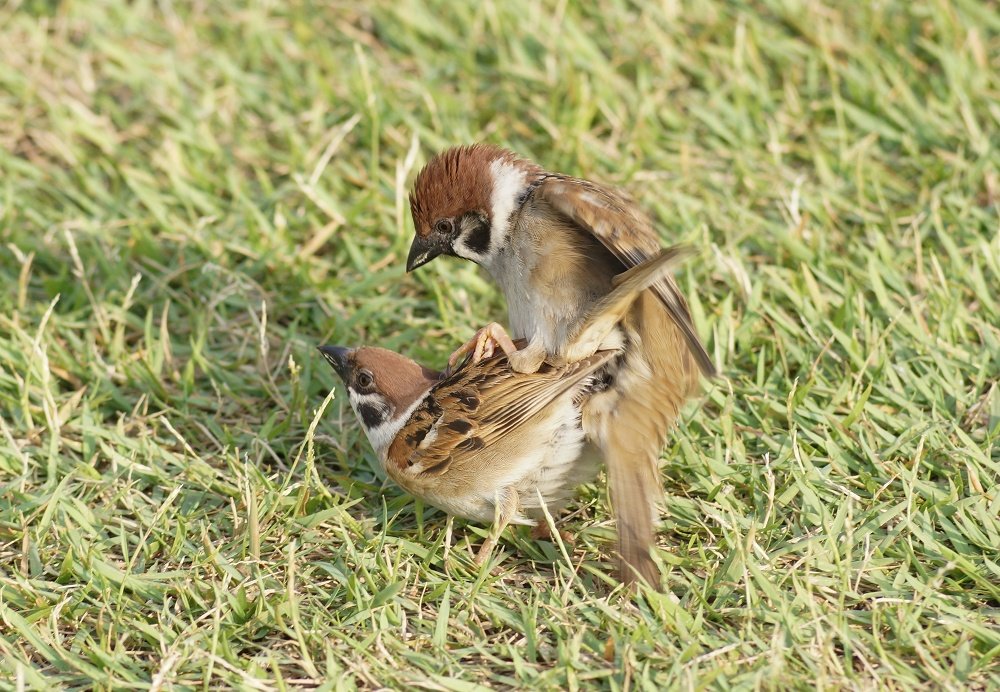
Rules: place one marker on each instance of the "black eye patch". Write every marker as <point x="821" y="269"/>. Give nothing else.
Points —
<point x="372" y="415"/>
<point x="476" y="232"/>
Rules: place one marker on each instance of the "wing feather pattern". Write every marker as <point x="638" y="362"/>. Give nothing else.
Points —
<point x="476" y="406"/>
<point x="614" y="220"/>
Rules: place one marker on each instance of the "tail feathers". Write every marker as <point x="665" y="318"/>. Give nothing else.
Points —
<point x="631" y="478"/>
<point x="612" y="308"/>
<point x="630" y="437"/>
<point x="631" y="434"/>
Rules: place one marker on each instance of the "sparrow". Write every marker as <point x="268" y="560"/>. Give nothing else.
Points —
<point x="554" y="245"/>
<point x="487" y="443"/>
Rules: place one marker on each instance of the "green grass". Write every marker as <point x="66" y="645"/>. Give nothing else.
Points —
<point x="193" y="196"/>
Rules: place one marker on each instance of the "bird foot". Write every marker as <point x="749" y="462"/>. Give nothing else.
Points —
<point x="483" y="345"/>
<point x="527" y="360"/>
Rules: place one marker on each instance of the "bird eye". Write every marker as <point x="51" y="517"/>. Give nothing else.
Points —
<point x="443" y="226"/>
<point x="365" y="379"/>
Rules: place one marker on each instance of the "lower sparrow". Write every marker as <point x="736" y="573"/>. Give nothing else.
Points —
<point x="487" y="443"/>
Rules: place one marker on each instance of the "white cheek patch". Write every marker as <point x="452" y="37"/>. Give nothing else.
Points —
<point x="509" y="182"/>
<point x="462" y="249"/>
<point x="371" y="398"/>
<point x="382" y="432"/>
<point x="371" y="408"/>
<point x="374" y="413"/>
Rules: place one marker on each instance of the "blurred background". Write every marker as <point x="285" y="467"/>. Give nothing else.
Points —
<point x="194" y="195"/>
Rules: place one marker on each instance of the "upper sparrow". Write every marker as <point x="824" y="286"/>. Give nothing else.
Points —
<point x="554" y="245"/>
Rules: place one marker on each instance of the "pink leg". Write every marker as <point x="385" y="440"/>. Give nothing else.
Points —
<point x="483" y="345"/>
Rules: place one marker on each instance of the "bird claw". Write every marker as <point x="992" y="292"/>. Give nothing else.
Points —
<point x="482" y="345"/>
<point x="527" y="360"/>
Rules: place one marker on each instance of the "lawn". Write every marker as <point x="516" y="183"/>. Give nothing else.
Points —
<point x="195" y="195"/>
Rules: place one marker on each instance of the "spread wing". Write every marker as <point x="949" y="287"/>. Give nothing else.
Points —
<point x="477" y="405"/>
<point x="615" y="220"/>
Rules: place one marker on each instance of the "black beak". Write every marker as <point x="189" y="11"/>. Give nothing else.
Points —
<point x="423" y="250"/>
<point x="339" y="358"/>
